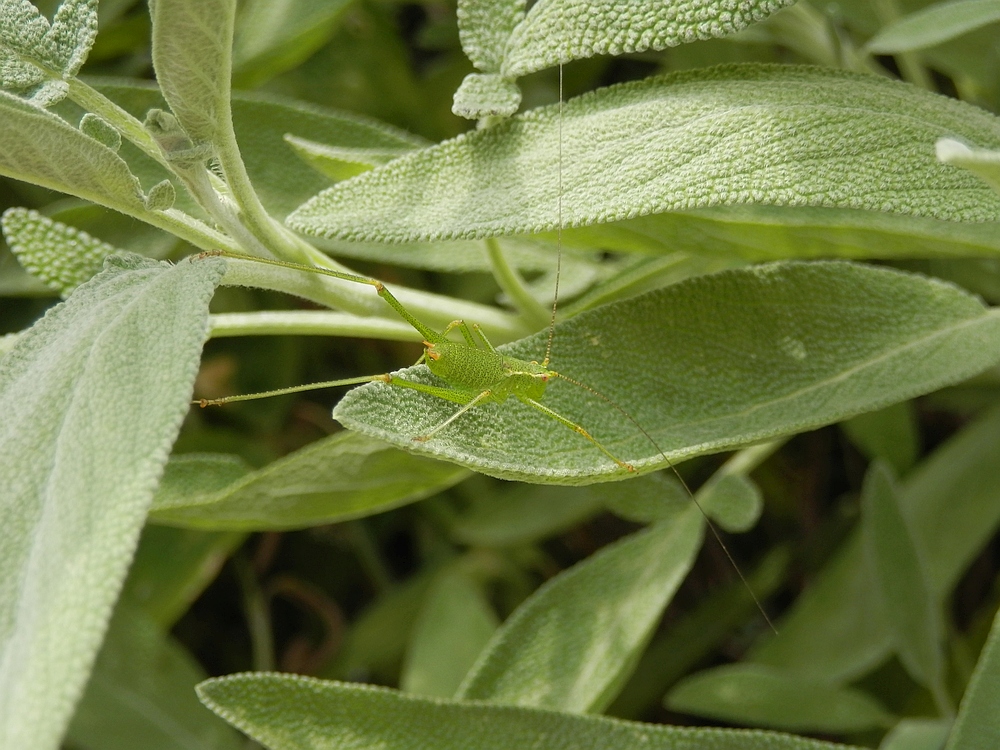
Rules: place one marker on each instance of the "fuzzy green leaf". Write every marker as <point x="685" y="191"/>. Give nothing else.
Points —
<point x="574" y="642"/>
<point x="734" y="501"/>
<point x="557" y="31"/>
<point x="192" y="54"/>
<point x="141" y="694"/>
<point x="697" y="366"/>
<point x="60" y="255"/>
<point x="341" y="477"/>
<point x="288" y="712"/>
<point x="454" y="624"/>
<point x="734" y="135"/>
<point x="485" y="28"/>
<point x="92" y="396"/>
<point x="934" y="25"/>
<point x="340" y="163"/>
<point x="981" y="162"/>
<point x="978" y="722"/>
<point x="765" y="697"/>
<point x="486" y="95"/>
<point x="38" y="147"/>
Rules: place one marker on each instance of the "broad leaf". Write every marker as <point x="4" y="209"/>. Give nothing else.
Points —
<point x="736" y="135"/>
<point x="933" y="25"/>
<point x="38" y="147"/>
<point x="978" y="723"/>
<point x="287" y="712"/>
<point x="92" y="396"/>
<point x="341" y="477"/>
<point x="192" y="54"/>
<point x="765" y="697"/>
<point x="697" y="366"/>
<point x="574" y="642"/>
<point x="557" y="31"/>
<point x="141" y="694"/>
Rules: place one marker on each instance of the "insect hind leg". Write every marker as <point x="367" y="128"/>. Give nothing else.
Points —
<point x="577" y="429"/>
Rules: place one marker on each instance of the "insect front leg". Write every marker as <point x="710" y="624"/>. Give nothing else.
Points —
<point x="464" y="398"/>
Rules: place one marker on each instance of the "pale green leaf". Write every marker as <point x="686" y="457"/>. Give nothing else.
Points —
<point x="335" y="479"/>
<point x="486" y="95"/>
<point x="72" y="34"/>
<point x="557" y="31"/>
<point x="910" y="608"/>
<point x="525" y="513"/>
<point x="933" y="25"/>
<point x="572" y="644"/>
<point x="652" y="498"/>
<point x="101" y="130"/>
<point x="755" y="695"/>
<point x="192" y="54"/>
<point x="287" y="712"/>
<point x="890" y="434"/>
<point x="339" y="163"/>
<point x="734" y="501"/>
<point x="454" y="624"/>
<point x="60" y="255"/>
<point x="837" y="631"/>
<point x="38" y="147"/>
<point x="917" y="734"/>
<point x="141" y="694"/>
<point x="484" y="29"/>
<point x="161" y="196"/>
<point x="92" y="396"/>
<point x="709" y="364"/>
<point x="981" y="162"/>
<point x="733" y="135"/>
<point x="978" y="724"/>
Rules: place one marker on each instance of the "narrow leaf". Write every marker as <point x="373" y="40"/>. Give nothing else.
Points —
<point x="341" y="477"/>
<point x="696" y="365"/>
<point x="339" y="163"/>
<point x="298" y="713"/>
<point x="454" y="624"/>
<point x="733" y="135"/>
<point x="60" y="255"/>
<point x="38" y="147"/>
<point x="141" y="694"/>
<point x="889" y="434"/>
<point x="978" y="722"/>
<point x="92" y="396"/>
<point x="982" y="163"/>
<point x="558" y="31"/>
<point x="192" y="54"/>
<point x="575" y="641"/>
<point x="765" y="697"/>
<point x="933" y="25"/>
<point x="917" y="734"/>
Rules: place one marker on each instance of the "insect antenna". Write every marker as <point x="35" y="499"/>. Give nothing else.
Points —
<point x="607" y="399"/>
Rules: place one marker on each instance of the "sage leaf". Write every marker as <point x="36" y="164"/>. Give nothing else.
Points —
<point x="732" y="135"/>
<point x="486" y="95"/>
<point x="485" y="28"/>
<point x="978" y="723"/>
<point x="339" y="163"/>
<point x="708" y="364"/>
<point x="38" y="147"/>
<point x="934" y="24"/>
<point x="558" y="31"/>
<point x="101" y="130"/>
<point x="983" y="163"/>
<point x="60" y="255"/>
<point x="572" y="644"/>
<point x="751" y="694"/>
<point x="287" y="712"/>
<point x="192" y="54"/>
<point x="917" y="734"/>
<point x="338" y="478"/>
<point x="142" y="690"/>
<point x="92" y="396"/>
<point x="889" y="434"/>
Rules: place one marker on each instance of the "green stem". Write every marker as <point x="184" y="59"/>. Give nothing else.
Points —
<point x="909" y="62"/>
<point x="257" y="614"/>
<point x="309" y="323"/>
<point x="369" y="557"/>
<point x="513" y="285"/>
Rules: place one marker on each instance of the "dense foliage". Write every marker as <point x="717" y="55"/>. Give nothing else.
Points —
<point x="773" y="227"/>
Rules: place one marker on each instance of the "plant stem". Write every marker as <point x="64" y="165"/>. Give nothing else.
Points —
<point x="309" y="323"/>
<point x="257" y="614"/>
<point x="909" y="62"/>
<point x="513" y="285"/>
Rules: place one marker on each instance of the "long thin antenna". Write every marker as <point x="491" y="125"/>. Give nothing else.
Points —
<point x="559" y="223"/>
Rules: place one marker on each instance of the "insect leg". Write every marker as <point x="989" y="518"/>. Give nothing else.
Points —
<point x="472" y="402"/>
<point x="463" y="327"/>
<point x="576" y="428"/>
<point x="478" y="329"/>
<point x="294" y="389"/>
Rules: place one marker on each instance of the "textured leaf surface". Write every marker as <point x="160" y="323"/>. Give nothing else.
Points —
<point x="763" y="135"/>
<point x="141" y="694"/>
<point x="763" y="696"/>
<point x="836" y="630"/>
<point x="706" y="365"/>
<point x="38" y="147"/>
<point x="92" y="398"/>
<point x="572" y="644"/>
<point x="933" y="25"/>
<point x="60" y="255"/>
<point x="298" y="713"/>
<point x="341" y="477"/>
<point x="192" y="54"/>
<point x="485" y="28"/>
<point x="557" y="31"/>
<point x="978" y="723"/>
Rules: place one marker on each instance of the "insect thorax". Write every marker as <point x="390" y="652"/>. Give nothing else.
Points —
<point x="475" y="369"/>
